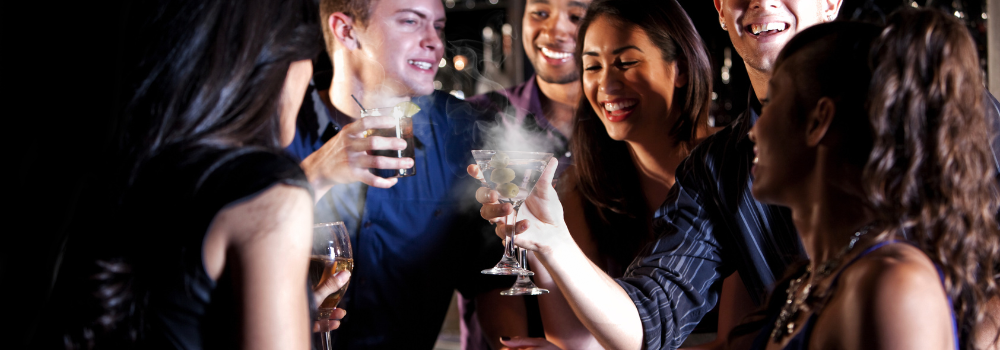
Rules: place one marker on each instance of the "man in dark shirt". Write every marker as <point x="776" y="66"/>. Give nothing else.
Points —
<point x="410" y="236"/>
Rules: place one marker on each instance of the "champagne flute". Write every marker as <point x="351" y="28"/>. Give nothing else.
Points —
<point x="331" y="253"/>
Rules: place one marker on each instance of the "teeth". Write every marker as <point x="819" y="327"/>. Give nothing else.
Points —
<point x="555" y="54"/>
<point x="420" y="64"/>
<point x="756" y="29"/>
<point x="611" y="107"/>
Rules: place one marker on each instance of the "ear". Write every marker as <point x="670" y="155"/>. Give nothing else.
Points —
<point x="819" y="120"/>
<point x="680" y="74"/>
<point x="342" y="27"/>
<point x="831" y="8"/>
<point x="718" y="7"/>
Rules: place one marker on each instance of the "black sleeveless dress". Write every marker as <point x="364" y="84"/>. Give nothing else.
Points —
<point x="174" y="199"/>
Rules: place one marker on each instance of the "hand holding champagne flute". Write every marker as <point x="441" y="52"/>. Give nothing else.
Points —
<point x="329" y="271"/>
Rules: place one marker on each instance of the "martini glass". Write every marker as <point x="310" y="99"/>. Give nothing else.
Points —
<point x="513" y="175"/>
<point x="524" y="285"/>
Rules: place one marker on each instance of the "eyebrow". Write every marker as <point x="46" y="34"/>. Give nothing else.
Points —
<point x="419" y="14"/>
<point x="616" y="51"/>
<point x="577" y="4"/>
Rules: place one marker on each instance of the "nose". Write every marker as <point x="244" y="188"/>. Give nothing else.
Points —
<point x="756" y="4"/>
<point x="559" y="28"/>
<point x="610" y="82"/>
<point x="432" y="40"/>
<point x="753" y="134"/>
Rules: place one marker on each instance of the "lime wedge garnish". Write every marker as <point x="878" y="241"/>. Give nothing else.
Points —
<point x="408" y="108"/>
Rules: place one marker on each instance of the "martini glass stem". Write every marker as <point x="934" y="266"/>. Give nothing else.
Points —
<point x="510" y="250"/>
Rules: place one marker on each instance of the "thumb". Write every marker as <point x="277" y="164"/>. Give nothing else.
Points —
<point x="543" y="188"/>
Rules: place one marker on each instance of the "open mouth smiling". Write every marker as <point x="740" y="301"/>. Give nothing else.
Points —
<point x="556" y="55"/>
<point x="420" y="64"/>
<point x="766" y="28"/>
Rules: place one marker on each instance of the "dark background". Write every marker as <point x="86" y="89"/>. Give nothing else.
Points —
<point x="60" y="79"/>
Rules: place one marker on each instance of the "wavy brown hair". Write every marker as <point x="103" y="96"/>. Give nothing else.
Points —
<point x="606" y="176"/>
<point x="931" y="175"/>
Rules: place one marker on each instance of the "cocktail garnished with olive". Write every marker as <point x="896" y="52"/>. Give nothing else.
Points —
<point x="513" y="175"/>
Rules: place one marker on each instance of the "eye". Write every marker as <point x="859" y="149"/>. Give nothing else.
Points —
<point x="592" y="68"/>
<point x="540" y="14"/>
<point x="626" y="64"/>
<point x="764" y="102"/>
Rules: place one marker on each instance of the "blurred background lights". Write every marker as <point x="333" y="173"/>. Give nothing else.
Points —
<point x="460" y="62"/>
<point x="443" y="63"/>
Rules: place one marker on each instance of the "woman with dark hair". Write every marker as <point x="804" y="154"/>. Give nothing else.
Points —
<point x="885" y="162"/>
<point x="646" y="77"/>
<point x="208" y="245"/>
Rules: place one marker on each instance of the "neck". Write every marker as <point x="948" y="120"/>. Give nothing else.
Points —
<point x="348" y="81"/>
<point x="826" y="219"/>
<point x="656" y="162"/>
<point x="758" y="79"/>
<point x="559" y="103"/>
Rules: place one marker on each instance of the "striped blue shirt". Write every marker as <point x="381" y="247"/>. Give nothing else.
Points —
<point x="710" y="226"/>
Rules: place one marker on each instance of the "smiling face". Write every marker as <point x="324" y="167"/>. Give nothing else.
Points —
<point x="760" y="28"/>
<point x="402" y="46"/>
<point x="781" y="154"/>
<point x="627" y="82"/>
<point x="549" y="35"/>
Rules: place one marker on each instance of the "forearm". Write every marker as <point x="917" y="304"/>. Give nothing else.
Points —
<point x="562" y="327"/>
<point x="600" y="304"/>
<point x="319" y="184"/>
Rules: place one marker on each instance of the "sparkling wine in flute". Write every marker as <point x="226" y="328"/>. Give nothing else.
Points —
<point x="323" y="267"/>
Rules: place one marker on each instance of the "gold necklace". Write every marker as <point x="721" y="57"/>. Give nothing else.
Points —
<point x="785" y="324"/>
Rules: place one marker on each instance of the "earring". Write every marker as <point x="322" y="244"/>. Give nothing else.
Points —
<point x="830" y="17"/>
<point x="723" y="24"/>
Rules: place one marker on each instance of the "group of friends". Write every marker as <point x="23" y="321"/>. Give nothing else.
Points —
<point x="852" y="205"/>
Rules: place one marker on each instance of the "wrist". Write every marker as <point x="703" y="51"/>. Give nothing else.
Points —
<point x="560" y="249"/>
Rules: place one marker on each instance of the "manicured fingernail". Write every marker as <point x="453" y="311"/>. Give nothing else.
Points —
<point x="505" y="338"/>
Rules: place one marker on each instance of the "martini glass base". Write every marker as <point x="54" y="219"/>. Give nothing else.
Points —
<point x="508" y="267"/>
<point x="524" y="287"/>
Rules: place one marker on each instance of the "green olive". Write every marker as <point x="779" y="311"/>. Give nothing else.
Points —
<point x="502" y="175"/>
<point x="500" y="160"/>
<point x="508" y="190"/>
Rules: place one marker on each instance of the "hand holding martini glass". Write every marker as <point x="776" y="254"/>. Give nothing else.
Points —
<point x="513" y="175"/>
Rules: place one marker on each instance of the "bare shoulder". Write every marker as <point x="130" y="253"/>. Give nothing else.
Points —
<point x="274" y="219"/>
<point x="893" y="298"/>
<point x="266" y="213"/>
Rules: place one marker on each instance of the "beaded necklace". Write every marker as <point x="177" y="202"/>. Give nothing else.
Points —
<point x="785" y="324"/>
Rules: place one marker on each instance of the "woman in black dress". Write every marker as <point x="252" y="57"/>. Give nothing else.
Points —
<point x="209" y="239"/>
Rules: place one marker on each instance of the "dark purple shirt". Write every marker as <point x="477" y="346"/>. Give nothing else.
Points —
<point x="516" y="108"/>
<point x="520" y="108"/>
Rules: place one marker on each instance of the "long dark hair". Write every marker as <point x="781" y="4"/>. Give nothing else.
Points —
<point x="606" y="176"/>
<point x="203" y="73"/>
<point x="213" y="71"/>
<point x="931" y="176"/>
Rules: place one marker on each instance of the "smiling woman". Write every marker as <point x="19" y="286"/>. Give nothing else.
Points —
<point x="646" y="77"/>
